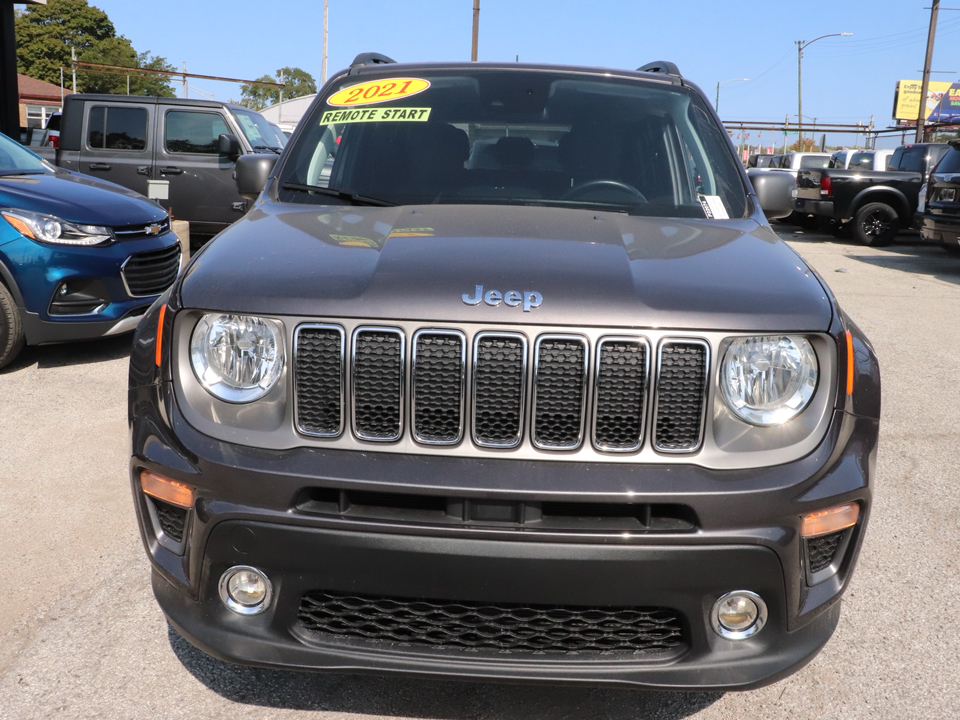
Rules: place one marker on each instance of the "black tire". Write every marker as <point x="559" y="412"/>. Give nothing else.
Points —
<point x="11" y="329"/>
<point x="876" y="224"/>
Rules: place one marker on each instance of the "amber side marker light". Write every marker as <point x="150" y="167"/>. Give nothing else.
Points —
<point x="163" y="315"/>
<point x="170" y="491"/>
<point x="829" y="521"/>
<point x="849" y="363"/>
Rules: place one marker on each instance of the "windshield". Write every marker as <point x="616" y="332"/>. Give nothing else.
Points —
<point x="257" y="130"/>
<point x="516" y="137"/>
<point x="17" y="160"/>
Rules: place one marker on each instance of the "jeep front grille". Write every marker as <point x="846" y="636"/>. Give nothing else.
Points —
<point x="499" y="389"/>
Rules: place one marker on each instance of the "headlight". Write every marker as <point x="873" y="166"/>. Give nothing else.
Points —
<point x="768" y="380"/>
<point x="237" y="358"/>
<point x="49" y="229"/>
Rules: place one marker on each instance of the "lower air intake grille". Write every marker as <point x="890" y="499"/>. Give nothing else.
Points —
<point x="820" y="551"/>
<point x="681" y="394"/>
<point x="502" y="627"/>
<point x="172" y="519"/>
<point x="150" y="273"/>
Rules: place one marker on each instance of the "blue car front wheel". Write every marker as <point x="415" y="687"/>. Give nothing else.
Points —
<point x="11" y="329"/>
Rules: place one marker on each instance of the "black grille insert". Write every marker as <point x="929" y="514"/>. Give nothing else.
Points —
<point x="681" y="396"/>
<point x="492" y="626"/>
<point x="559" y="392"/>
<point x="319" y="380"/>
<point x="150" y="273"/>
<point x="172" y="519"/>
<point x="378" y="383"/>
<point x="621" y="386"/>
<point x="439" y="364"/>
<point x="821" y="550"/>
<point x="500" y="369"/>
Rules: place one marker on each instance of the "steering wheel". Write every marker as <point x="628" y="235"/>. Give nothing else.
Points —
<point x="585" y="187"/>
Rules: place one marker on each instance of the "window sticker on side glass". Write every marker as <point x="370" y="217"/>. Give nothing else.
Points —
<point x="378" y="91"/>
<point x="713" y="207"/>
<point x="376" y="115"/>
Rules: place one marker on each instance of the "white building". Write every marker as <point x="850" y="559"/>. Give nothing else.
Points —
<point x="288" y="113"/>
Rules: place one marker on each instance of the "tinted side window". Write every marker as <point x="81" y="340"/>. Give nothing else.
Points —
<point x="117" y="128"/>
<point x="912" y="159"/>
<point x="814" y="161"/>
<point x="950" y="163"/>
<point x="194" y="132"/>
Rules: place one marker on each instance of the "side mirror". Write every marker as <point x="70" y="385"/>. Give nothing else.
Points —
<point x="252" y="173"/>
<point x="774" y="192"/>
<point x="229" y="145"/>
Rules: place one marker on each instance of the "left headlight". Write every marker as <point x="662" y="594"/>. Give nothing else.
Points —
<point x="237" y="358"/>
<point x="50" y="229"/>
<point x="768" y="380"/>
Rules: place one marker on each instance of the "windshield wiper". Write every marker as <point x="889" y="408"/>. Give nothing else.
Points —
<point x="268" y="147"/>
<point x="348" y="195"/>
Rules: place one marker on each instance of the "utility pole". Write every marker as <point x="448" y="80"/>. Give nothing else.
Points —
<point x="931" y="37"/>
<point x="476" y="29"/>
<point x="326" y="15"/>
<point x="73" y="58"/>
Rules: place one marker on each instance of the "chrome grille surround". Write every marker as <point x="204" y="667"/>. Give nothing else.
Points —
<point x="389" y="426"/>
<point x="725" y="442"/>
<point x="300" y="373"/>
<point x="643" y="393"/>
<point x="417" y="367"/>
<point x="547" y="385"/>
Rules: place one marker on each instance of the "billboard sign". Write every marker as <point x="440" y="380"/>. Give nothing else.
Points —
<point x="942" y="106"/>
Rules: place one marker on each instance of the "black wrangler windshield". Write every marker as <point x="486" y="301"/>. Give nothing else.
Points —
<point x="515" y="137"/>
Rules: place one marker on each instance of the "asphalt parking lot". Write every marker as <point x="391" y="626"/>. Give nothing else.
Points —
<point x="83" y="637"/>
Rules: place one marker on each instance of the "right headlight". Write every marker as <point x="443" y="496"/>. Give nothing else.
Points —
<point x="237" y="358"/>
<point x="49" y="229"/>
<point x="768" y="380"/>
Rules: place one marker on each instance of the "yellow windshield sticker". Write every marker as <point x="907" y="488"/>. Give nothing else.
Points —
<point x="378" y="91"/>
<point x="376" y="115"/>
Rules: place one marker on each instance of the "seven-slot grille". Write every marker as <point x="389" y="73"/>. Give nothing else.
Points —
<point x="480" y="390"/>
<point x="150" y="273"/>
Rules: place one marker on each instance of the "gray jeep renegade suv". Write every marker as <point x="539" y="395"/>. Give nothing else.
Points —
<point x="504" y="376"/>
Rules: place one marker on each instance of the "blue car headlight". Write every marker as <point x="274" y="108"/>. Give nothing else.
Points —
<point x="50" y="229"/>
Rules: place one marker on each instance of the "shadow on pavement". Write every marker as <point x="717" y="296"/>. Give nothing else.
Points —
<point x="402" y="698"/>
<point x="81" y="352"/>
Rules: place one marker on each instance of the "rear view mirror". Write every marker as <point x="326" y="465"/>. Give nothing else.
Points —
<point x="229" y="145"/>
<point x="252" y="173"/>
<point x="774" y="192"/>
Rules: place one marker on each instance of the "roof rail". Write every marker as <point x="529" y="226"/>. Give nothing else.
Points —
<point x="370" y="58"/>
<point x="661" y="66"/>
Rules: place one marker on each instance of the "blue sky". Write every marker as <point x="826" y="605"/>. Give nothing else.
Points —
<point x="845" y="79"/>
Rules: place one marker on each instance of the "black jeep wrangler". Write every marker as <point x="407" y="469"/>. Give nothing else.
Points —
<point x="504" y="376"/>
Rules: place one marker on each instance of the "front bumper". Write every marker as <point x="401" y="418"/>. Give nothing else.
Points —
<point x="942" y="229"/>
<point x="249" y="512"/>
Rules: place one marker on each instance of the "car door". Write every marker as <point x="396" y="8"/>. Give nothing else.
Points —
<point x="117" y="143"/>
<point x="201" y="189"/>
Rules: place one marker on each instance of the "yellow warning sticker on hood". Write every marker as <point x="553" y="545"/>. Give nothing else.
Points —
<point x="376" y="115"/>
<point x="378" y="91"/>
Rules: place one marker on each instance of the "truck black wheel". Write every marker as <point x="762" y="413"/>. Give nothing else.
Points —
<point x="11" y="329"/>
<point x="876" y="224"/>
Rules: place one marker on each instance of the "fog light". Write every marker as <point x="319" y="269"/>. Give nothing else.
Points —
<point x="245" y="590"/>
<point x="739" y="615"/>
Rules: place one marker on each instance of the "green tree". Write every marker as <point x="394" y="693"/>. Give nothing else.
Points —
<point x="46" y="34"/>
<point x="298" y="83"/>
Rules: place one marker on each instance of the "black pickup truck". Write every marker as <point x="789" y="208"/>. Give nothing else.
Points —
<point x="179" y="152"/>
<point x="875" y="204"/>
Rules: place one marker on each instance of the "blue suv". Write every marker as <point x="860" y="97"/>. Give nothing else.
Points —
<point x="79" y="258"/>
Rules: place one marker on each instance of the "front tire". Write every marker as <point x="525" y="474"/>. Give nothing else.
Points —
<point x="11" y="329"/>
<point x="876" y="224"/>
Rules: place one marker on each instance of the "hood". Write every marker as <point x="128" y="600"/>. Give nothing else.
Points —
<point x="546" y="266"/>
<point x="77" y="198"/>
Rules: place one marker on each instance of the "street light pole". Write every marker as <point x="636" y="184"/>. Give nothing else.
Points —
<point x="716" y="104"/>
<point x="476" y="29"/>
<point x="800" y="46"/>
<point x="323" y="71"/>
